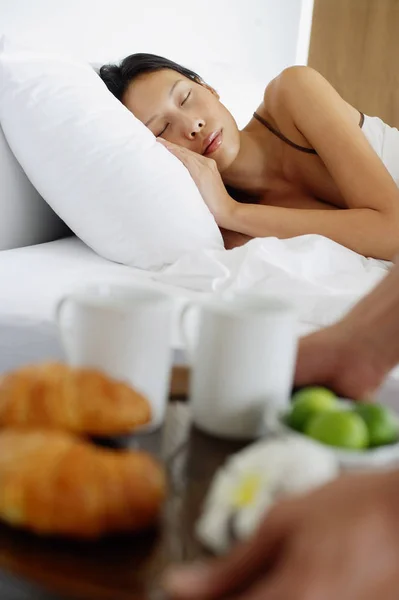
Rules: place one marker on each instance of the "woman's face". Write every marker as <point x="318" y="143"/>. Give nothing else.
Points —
<point x="186" y="113"/>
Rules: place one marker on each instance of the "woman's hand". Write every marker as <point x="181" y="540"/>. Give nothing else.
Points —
<point x="354" y="356"/>
<point x="207" y="178"/>
<point x="341" y="541"/>
<point x="339" y="359"/>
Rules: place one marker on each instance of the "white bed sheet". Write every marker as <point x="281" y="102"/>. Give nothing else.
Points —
<point x="321" y="278"/>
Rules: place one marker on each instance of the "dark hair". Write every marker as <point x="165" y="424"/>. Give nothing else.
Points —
<point x="118" y="77"/>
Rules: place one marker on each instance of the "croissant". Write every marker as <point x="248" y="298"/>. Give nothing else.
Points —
<point x="55" y="483"/>
<point x="82" y="401"/>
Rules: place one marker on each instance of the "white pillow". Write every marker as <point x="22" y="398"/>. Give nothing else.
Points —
<point x="25" y="218"/>
<point x="97" y="166"/>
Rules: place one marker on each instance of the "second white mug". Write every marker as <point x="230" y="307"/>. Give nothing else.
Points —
<point x="242" y="358"/>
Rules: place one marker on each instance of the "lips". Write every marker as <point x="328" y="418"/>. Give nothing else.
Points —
<point x="212" y="142"/>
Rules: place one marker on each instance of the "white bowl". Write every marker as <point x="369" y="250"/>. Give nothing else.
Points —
<point x="371" y="458"/>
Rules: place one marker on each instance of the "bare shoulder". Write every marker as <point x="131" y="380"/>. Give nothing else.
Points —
<point x="296" y="88"/>
<point x="291" y="76"/>
<point x="278" y="95"/>
<point x="288" y="83"/>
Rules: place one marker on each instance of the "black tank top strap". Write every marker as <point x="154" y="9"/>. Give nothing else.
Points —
<point x="282" y="136"/>
<point x="289" y="142"/>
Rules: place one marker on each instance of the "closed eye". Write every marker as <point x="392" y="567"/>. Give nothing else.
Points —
<point x="186" y="98"/>
<point x="182" y="103"/>
<point x="163" y="130"/>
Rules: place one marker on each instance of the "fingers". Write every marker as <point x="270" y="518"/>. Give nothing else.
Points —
<point x="181" y="153"/>
<point x="213" y="579"/>
<point x="169" y="145"/>
<point x="264" y="589"/>
<point x="165" y="142"/>
<point x="229" y="574"/>
<point x="174" y="148"/>
<point x="284" y="584"/>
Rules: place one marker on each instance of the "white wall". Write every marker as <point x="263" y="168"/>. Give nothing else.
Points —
<point x="238" y="45"/>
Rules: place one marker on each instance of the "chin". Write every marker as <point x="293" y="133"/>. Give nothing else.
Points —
<point x="230" y="148"/>
<point x="226" y="158"/>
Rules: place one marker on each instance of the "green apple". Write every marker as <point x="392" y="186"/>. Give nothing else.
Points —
<point x="307" y="402"/>
<point x="343" y="429"/>
<point x="381" y="423"/>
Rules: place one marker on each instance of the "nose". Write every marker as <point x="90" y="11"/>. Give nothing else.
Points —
<point x="195" y="127"/>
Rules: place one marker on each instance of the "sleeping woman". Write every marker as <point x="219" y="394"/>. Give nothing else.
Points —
<point x="307" y="161"/>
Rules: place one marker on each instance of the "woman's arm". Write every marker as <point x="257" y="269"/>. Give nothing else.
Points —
<point x="363" y="230"/>
<point x="233" y="239"/>
<point x="370" y="226"/>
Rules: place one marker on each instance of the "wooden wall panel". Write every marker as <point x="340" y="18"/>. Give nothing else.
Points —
<point x="355" y="45"/>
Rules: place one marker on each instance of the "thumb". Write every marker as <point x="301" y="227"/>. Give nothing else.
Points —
<point x="164" y="143"/>
<point x="315" y="359"/>
<point x="226" y="575"/>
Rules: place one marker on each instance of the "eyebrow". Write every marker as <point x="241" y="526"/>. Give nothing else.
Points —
<point x="172" y="89"/>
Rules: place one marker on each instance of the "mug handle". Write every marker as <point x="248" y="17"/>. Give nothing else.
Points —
<point x="59" y="308"/>
<point x="58" y="319"/>
<point x="189" y="344"/>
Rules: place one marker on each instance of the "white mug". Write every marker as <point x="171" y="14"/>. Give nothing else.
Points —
<point x="125" y="332"/>
<point x="242" y="361"/>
